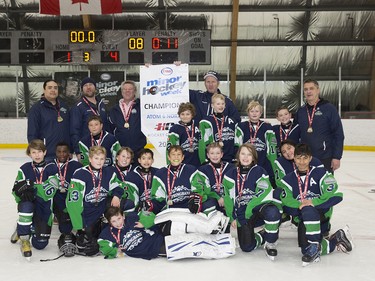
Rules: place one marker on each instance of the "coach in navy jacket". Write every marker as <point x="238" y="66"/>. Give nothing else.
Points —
<point x="321" y="127"/>
<point x="87" y="106"/>
<point x="48" y="119"/>
<point x="125" y="119"/>
<point x="202" y="100"/>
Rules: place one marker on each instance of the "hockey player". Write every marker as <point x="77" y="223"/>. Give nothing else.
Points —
<point x="86" y="200"/>
<point x="285" y="163"/>
<point x="207" y="182"/>
<point x="34" y="189"/>
<point x="249" y="202"/>
<point x="87" y="106"/>
<point x="138" y="183"/>
<point x="286" y="129"/>
<point x="218" y="128"/>
<point x="99" y="137"/>
<point x="127" y="235"/>
<point x="65" y="167"/>
<point x="171" y="185"/>
<point x="186" y="134"/>
<point x="310" y="193"/>
<point x="260" y="135"/>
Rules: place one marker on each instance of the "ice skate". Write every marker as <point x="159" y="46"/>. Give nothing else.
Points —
<point x="26" y="248"/>
<point x="14" y="237"/>
<point x="312" y="254"/>
<point x="270" y="250"/>
<point x="344" y="240"/>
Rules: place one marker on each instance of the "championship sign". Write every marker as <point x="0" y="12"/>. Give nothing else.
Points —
<point x="162" y="89"/>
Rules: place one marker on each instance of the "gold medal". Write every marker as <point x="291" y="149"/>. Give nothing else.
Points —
<point x="170" y="202"/>
<point x="126" y="125"/>
<point x="221" y="143"/>
<point x="309" y="129"/>
<point x="59" y="119"/>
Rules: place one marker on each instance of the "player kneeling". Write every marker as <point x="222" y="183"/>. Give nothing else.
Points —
<point x="249" y="203"/>
<point x="309" y="194"/>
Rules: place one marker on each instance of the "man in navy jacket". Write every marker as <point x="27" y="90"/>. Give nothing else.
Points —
<point x="321" y="127"/>
<point x="48" y="120"/>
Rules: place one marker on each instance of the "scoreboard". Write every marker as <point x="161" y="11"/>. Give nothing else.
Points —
<point x="112" y="47"/>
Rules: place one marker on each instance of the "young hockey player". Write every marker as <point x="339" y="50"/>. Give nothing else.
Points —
<point x="249" y="203"/>
<point x="86" y="200"/>
<point x="127" y="235"/>
<point x="65" y="167"/>
<point x="207" y="182"/>
<point x="123" y="162"/>
<point x="186" y="134"/>
<point x="138" y="182"/>
<point x="286" y="129"/>
<point x="309" y="193"/>
<point x="260" y="135"/>
<point x="98" y="137"/>
<point x="171" y="185"/>
<point x="218" y="128"/>
<point x="34" y="189"/>
<point x="284" y="164"/>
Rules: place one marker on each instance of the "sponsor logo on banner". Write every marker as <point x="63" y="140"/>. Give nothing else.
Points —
<point x="162" y="89"/>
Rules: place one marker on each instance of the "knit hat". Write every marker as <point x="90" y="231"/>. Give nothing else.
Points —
<point x="87" y="80"/>
<point x="213" y="74"/>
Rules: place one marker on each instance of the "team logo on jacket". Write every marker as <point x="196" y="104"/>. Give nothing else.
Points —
<point x="92" y="197"/>
<point x="132" y="239"/>
<point x="180" y="193"/>
<point x="309" y="195"/>
<point x="258" y="144"/>
<point x="247" y="196"/>
<point x="227" y="135"/>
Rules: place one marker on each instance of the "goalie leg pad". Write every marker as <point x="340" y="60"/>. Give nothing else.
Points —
<point x="203" y="246"/>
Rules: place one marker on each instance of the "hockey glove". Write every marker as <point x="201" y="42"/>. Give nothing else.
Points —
<point x="195" y="203"/>
<point x="24" y="190"/>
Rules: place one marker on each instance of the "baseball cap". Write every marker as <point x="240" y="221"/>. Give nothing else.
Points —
<point x="87" y="80"/>
<point x="213" y="74"/>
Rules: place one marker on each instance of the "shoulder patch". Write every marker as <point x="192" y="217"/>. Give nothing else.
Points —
<point x="263" y="184"/>
<point x="329" y="180"/>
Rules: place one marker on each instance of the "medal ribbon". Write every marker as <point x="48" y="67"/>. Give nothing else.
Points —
<point x="240" y="185"/>
<point x="99" y="142"/>
<point x="311" y="117"/>
<point x="146" y="184"/>
<point x="253" y="136"/>
<point x="303" y="194"/>
<point x="124" y="113"/>
<point x="57" y="108"/>
<point x="91" y="108"/>
<point x="62" y="175"/>
<point x="218" y="176"/>
<point x="39" y="179"/>
<point x="219" y="128"/>
<point x="170" y="187"/>
<point x="117" y="237"/>
<point x="190" y="137"/>
<point x="94" y="182"/>
<point x="287" y="131"/>
<point x="121" y="173"/>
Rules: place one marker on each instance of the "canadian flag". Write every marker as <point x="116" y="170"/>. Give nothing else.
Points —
<point x="80" y="7"/>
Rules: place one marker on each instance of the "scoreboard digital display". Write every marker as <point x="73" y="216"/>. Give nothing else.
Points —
<point x="105" y="47"/>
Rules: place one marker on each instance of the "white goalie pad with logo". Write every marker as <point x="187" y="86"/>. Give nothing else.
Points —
<point x="199" y="246"/>
<point x="185" y="222"/>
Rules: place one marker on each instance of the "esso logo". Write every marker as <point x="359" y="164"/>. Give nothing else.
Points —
<point x="166" y="71"/>
<point x="105" y="77"/>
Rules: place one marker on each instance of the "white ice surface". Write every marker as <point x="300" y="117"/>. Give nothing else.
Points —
<point x="356" y="177"/>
